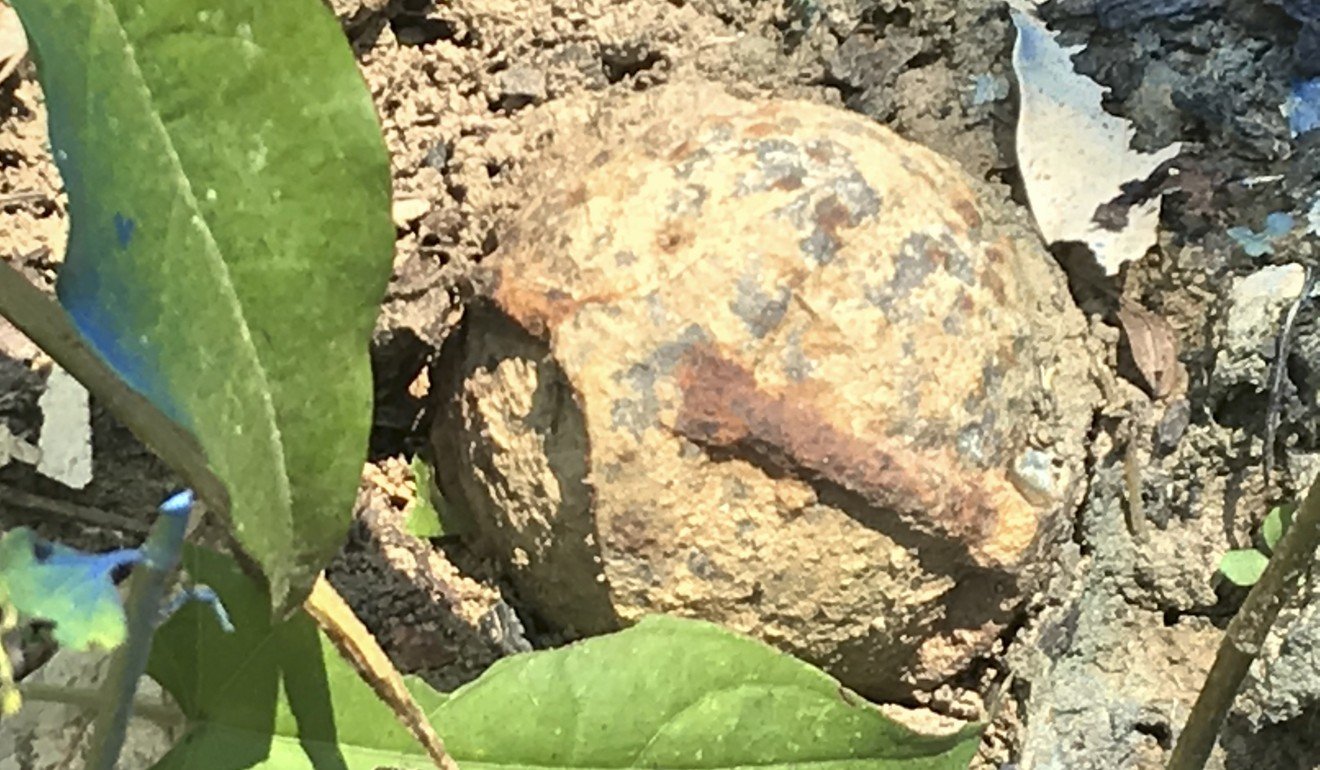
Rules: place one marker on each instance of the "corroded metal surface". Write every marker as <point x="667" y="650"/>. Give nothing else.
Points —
<point x="818" y="386"/>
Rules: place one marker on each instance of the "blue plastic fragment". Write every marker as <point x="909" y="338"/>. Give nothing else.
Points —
<point x="73" y="590"/>
<point x="198" y="593"/>
<point x="1278" y="224"/>
<point x="987" y="88"/>
<point x="179" y="504"/>
<point x="1303" y="107"/>
<point x="91" y="566"/>
<point x="1258" y="244"/>
<point x="204" y="594"/>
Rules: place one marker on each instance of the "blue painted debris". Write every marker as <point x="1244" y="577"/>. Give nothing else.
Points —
<point x="1303" y="107"/>
<point x="202" y="594"/>
<point x="987" y="88"/>
<point x="1257" y="244"/>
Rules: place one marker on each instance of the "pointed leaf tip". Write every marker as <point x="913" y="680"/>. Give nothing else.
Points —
<point x="229" y="190"/>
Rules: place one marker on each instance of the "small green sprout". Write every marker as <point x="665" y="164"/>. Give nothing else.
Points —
<point x="424" y="516"/>
<point x="1243" y="566"/>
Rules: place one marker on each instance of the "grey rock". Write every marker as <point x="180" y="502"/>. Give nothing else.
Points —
<point x="520" y="87"/>
<point x="1257" y="303"/>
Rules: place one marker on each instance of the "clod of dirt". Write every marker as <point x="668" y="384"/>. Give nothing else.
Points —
<point x="1258" y="302"/>
<point x="767" y="364"/>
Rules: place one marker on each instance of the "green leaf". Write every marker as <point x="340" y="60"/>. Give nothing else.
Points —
<point x="271" y="695"/>
<point x="1243" y="566"/>
<point x="72" y="589"/>
<point x="666" y="693"/>
<point x="678" y="693"/>
<point x="422" y="518"/>
<point x="1276" y="523"/>
<point x="230" y="240"/>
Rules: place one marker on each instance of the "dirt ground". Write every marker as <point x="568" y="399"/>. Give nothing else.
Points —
<point x="1105" y="660"/>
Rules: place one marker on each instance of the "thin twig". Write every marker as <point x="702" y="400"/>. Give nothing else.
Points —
<point x="90" y="700"/>
<point x="84" y="513"/>
<point x="1132" y="478"/>
<point x="9" y="199"/>
<point x="1277" y="368"/>
<point x="1246" y="634"/>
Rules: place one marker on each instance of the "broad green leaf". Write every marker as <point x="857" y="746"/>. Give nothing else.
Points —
<point x="272" y="695"/>
<point x="673" y="693"/>
<point x="422" y="518"/>
<point x="668" y="693"/>
<point x="72" y="589"/>
<point x="1276" y="523"/>
<point x="1243" y="566"/>
<point x="230" y="239"/>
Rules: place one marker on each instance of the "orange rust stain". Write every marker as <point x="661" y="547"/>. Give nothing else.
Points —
<point x="831" y="216"/>
<point x="682" y="152"/>
<point x="541" y="312"/>
<point x="992" y="281"/>
<point x="966" y="209"/>
<point x="820" y="152"/>
<point x="723" y="408"/>
<point x="537" y="312"/>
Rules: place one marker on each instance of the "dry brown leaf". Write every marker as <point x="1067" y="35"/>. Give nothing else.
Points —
<point x="1154" y="347"/>
<point x="13" y="42"/>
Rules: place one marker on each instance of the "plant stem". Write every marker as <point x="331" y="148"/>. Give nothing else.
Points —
<point x="1246" y="634"/>
<point x="359" y="648"/>
<point x="146" y="592"/>
<point x="90" y="699"/>
<point x="1279" y="366"/>
<point x="44" y="322"/>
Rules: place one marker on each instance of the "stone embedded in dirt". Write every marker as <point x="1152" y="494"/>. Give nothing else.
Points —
<point x="768" y="364"/>
<point x="520" y="86"/>
<point x="66" y="431"/>
<point x="1255" y="315"/>
<point x="409" y="210"/>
